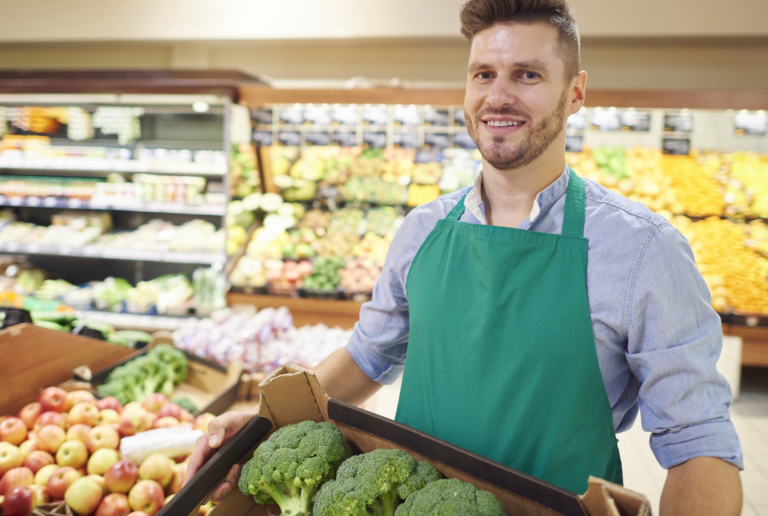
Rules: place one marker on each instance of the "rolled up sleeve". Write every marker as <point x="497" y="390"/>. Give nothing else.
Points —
<point x="674" y="341"/>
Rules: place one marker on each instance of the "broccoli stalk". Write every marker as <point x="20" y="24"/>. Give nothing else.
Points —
<point x="373" y="482"/>
<point x="290" y="466"/>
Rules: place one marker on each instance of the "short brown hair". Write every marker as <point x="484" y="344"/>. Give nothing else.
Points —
<point x="477" y="15"/>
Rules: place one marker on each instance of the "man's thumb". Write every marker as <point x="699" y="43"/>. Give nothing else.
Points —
<point x="216" y="433"/>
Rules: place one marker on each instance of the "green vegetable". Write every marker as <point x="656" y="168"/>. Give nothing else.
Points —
<point x="105" y="329"/>
<point x="373" y="483"/>
<point x="186" y="404"/>
<point x="290" y="466"/>
<point x="129" y="338"/>
<point x="50" y="325"/>
<point x="60" y="318"/>
<point x="159" y="370"/>
<point x="451" y="497"/>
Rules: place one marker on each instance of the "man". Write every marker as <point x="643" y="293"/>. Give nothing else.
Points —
<point x="546" y="310"/>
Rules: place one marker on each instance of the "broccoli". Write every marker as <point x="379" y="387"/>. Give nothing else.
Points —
<point x="451" y="497"/>
<point x="291" y="465"/>
<point x="373" y="483"/>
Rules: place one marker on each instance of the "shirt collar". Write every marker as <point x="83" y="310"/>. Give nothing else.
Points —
<point x="473" y="202"/>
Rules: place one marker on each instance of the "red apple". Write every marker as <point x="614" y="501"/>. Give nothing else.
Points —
<point x="60" y="481"/>
<point x="101" y="460"/>
<point x="15" y="478"/>
<point x="99" y="480"/>
<point x="201" y="421"/>
<point x="83" y="496"/>
<point x="157" y="467"/>
<point x="78" y="432"/>
<point x="205" y="509"/>
<point x="13" y="430"/>
<point x="75" y="397"/>
<point x="102" y="437"/>
<point x="45" y="473"/>
<point x="37" y="459"/>
<point x="29" y="413"/>
<point x="121" y="477"/>
<point x="133" y="422"/>
<point x="86" y="413"/>
<point x="108" y="417"/>
<point x="132" y="407"/>
<point x="146" y="496"/>
<point x="111" y="403"/>
<point x="165" y="422"/>
<point x="179" y="472"/>
<point x="50" y="437"/>
<point x="19" y="501"/>
<point x="49" y="418"/>
<point x="72" y="453"/>
<point x="28" y="447"/>
<point x="53" y="399"/>
<point x="10" y="457"/>
<point x="115" y="504"/>
<point x="155" y="402"/>
<point x="170" y="410"/>
<point x="41" y="495"/>
<point x="186" y="417"/>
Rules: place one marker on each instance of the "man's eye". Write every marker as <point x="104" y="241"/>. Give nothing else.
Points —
<point x="484" y="75"/>
<point x="530" y="76"/>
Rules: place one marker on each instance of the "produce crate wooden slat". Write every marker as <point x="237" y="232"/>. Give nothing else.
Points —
<point x="331" y="312"/>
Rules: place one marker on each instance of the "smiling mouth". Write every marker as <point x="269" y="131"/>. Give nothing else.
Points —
<point x="499" y="123"/>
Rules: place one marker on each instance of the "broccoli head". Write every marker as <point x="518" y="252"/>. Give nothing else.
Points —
<point x="451" y="497"/>
<point x="373" y="483"/>
<point x="291" y="465"/>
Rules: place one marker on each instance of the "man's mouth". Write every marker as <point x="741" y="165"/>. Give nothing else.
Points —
<point x="504" y="123"/>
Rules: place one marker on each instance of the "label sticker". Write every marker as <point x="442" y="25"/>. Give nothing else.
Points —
<point x="678" y="123"/>
<point x="375" y="139"/>
<point x="635" y="121"/>
<point x="676" y="146"/>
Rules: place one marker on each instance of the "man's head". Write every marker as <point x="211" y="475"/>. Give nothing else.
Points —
<point x="523" y="79"/>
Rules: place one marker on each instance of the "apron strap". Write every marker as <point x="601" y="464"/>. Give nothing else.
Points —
<point x="457" y="210"/>
<point x="575" y="206"/>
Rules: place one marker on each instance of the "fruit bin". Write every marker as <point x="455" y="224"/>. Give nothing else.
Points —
<point x="211" y="387"/>
<point x="36" y="358"/>
<point x="292" y="394"/>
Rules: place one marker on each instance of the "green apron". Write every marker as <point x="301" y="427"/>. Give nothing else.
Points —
<point x="501" y="356"/>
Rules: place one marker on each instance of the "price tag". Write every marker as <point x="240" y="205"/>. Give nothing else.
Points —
<point x="344" y="115"/>
<point x="318" y="138"/>
<point x="574" y="143"/>
<point x="437" y="141"/>
<point x="263" y="138"/>
<point x="289" y="138"/>
<point x="676" y="146"/>
<point x="375" y="115"/>
<point x="33" y="201"/>
<point x="605" y="120"/>
<point x="375" y="139"/>
<point x="635" y="121"/>
<point x="74" y="203"/>
<point x="458" y="118"/>
<point x="317" y="115"/>
<point x="436" y="117"/>
<point x="464" y="141"/>
<point x="16" y="201"/>
<point x="678" y="123"/>
<point x="50" y="202"/>
<point x="344" y="138"/>
<point x="262" y="116"/>
<point x="577" y="121"/>
<point x="750" y="123"/>
<point x="293" y="115"/>
<point x="406" y="116"/>
<point x="406" y="140"/>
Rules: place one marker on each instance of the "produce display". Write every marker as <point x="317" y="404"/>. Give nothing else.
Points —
<point x="325" y="275"/>
<point x="308" y="468"/>
<point x="263" y="341"/>
<point x="160" y="370"/>
<point x="66" y="447"/>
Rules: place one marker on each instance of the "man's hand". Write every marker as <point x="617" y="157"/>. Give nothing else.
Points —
<point x="220" y="430"/>
<point x="702" y="486"/>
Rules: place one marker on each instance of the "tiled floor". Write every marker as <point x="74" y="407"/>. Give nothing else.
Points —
<point x="641" y="471"/>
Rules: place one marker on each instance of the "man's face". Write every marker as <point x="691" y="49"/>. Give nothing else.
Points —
<point x="516" y="96"/>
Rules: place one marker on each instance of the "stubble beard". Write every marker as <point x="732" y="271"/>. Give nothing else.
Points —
<point x="503" y="156"/>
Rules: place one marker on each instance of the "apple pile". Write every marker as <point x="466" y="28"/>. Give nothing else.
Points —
<point x="65" y="447"/>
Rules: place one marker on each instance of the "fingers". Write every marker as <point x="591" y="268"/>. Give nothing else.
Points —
<point x="200" y="456"/>
<point x="216" y="432"/>
<point x="234" y="475"/>
<point x="220" y="429"/>
<point x="221" y="491"/>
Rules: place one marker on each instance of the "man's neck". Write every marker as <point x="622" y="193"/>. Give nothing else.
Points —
<point x="508" y="195"/>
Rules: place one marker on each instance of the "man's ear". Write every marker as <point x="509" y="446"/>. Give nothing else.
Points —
<point x="578" y="88"/>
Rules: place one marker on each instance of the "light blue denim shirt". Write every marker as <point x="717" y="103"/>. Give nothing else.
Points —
<point x="657" y="337"/>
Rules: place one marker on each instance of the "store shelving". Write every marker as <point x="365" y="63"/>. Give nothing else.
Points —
<point x="107" y="253"/>
<point x="148" y="323"/>
<point x="74" y="203"/>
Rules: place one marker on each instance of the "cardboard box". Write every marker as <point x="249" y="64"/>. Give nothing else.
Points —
<point x="211" y="387"/>
<point x="292" y="394"/>
<point x="35" y="358"/>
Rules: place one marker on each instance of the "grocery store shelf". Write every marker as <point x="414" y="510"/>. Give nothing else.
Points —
<point x="75" y="204"/>
<point x="110" y="253"/>
<point x="147" y="323"/>
<point x="103" y="167"/>
<point x="331" y="312"/>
